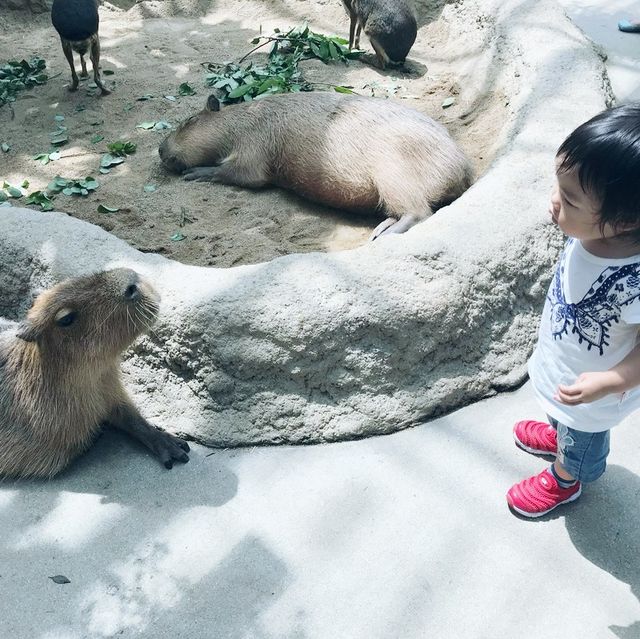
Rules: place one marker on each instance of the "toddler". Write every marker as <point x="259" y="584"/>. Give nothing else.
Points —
<point x="585" y="369"/>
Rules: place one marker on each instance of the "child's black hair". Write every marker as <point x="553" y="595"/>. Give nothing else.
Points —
<point x="606" y="153"/>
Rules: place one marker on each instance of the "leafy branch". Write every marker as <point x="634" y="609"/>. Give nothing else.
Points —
<point x="280" y="74"/>
<point x="16" y="76"/>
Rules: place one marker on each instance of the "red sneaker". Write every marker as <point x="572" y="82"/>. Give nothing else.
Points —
<point x="540" y="494"/>
<point x="538" y="438"/>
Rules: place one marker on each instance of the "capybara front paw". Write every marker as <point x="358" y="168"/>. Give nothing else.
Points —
<point x="169" y="448"/>
<point x="198" y="174"/>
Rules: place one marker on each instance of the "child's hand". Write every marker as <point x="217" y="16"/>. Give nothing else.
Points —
<point x="587" y="388"/>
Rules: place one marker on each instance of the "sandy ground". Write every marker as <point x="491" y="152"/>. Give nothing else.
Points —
<point x="152" y="47"/>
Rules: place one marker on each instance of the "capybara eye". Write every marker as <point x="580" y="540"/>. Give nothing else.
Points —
<point x="67" y="319"/>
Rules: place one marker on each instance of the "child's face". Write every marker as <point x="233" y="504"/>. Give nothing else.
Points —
<point x="575" y="211"/>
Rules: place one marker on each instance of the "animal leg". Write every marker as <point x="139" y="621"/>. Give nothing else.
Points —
<point x="380" y="53"/>
<point x="358" y="31"/>
<point x="68" y="53"/>
<point x="168" y="448"/>
<point x="95" y="61"/>
<point x="84" y="73"/>
<point x="391" y="225"/>
<point x="352" y="30"/>
<point x="228" y="172"/>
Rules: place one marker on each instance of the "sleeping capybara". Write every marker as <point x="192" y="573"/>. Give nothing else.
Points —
<point x="346" y="151"/>
<point x="60" y="374"/>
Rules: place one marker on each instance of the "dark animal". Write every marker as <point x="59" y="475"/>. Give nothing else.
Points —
<point x="60" y="374"/>
<point x="76" y="21"/>
<point x="346" y="151"/>
<point x="389" y="24"/>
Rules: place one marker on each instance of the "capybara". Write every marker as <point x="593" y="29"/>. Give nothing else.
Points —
<point x="60" y="374"/>
<point x="390" y="25"/>
<point x="76" y="22"/>
<point x="346" y="151"/>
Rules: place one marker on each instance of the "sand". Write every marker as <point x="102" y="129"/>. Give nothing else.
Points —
<point x="153" y="47"/>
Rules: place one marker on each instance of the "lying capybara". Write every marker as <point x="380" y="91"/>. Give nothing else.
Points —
<point x="346" y="151"/>
<point x="76" y="22"/>
<point x="60" y="374"/>
<point x="390" y="25"/>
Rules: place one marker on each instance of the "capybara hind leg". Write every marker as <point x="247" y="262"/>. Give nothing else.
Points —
<point x="391" y="225"/>
<point x="95" y="61"/>
<point x="68" y="54"/>
<point x="352" y="30"/>
<point x="227" y="173"/>
<point x="166" y="447"/>
<point x="380" y="53"/>
<point x="84" y="73"/>
<point x="358" y="31"/>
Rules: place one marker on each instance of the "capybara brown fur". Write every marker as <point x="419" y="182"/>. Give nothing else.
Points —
<point x="389" y="24"/>
<point x="76" y="22"/>
<point x="60" y="374"/>
<point x="346" y="151"/>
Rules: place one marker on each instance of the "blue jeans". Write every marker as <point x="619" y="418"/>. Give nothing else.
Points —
<point x="582" y="455"/>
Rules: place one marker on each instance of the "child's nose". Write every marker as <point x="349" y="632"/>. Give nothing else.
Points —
<point x="555" y="199"/>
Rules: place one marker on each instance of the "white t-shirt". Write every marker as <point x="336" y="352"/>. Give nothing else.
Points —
<point x="589" y="323"/>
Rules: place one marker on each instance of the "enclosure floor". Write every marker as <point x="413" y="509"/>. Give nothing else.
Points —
<point x="197" y="223"/>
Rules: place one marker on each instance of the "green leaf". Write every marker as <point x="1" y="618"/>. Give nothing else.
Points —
<point x="90" y="184"/>
<point x="240" y="91"/>
<point x="14" y="192"/>
<point x="96" y="138"/>
<point x="150" y="188"/>
<point x="341" y="89"/>
<point x="159" y="126"/>
<point x="41" y="198"/>
<point x="102" y="169"/>
<point x="109" y="160"/>
<point x="59" y="140"/>
<point x="5" y="147"/>
<point x="43" y="158"/>
<point x="25" y="184"/>
<point x="103" y="208"/>
<point x="177" y="237"/>
<point x="3" y="196"/>
<point x="186" y="89"/>
<point x="58" y="118"/>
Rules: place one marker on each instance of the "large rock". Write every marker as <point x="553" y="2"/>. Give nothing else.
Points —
<point x="320" y="347"/>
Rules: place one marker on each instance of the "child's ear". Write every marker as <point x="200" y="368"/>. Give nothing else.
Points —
<point x="28" y="331"/>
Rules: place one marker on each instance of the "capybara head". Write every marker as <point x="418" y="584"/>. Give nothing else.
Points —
<point x="191" y="143"/>
<point x="91" y="318"/>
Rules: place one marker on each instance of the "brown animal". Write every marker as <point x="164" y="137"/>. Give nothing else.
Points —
<point x="76" y="21"/>
<point x="389" y="24"/>
<point x="60" y="374"/>
<point x="346" y="151"/>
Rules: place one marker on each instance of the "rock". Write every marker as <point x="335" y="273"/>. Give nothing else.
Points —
<point x="323" y="347"/>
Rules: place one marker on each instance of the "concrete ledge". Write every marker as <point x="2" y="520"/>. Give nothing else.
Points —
<point x="322" y="347"/>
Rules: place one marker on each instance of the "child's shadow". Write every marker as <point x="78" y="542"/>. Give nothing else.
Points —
<point x="605" y="531"/>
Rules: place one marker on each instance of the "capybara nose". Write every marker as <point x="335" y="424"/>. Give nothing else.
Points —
<point x="132" y="293"/>
<point x="132" y="290"/>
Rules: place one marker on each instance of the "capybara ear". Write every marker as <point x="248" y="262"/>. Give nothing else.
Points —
<point x="27" y="331"/>
<point x="213" y="104"/>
